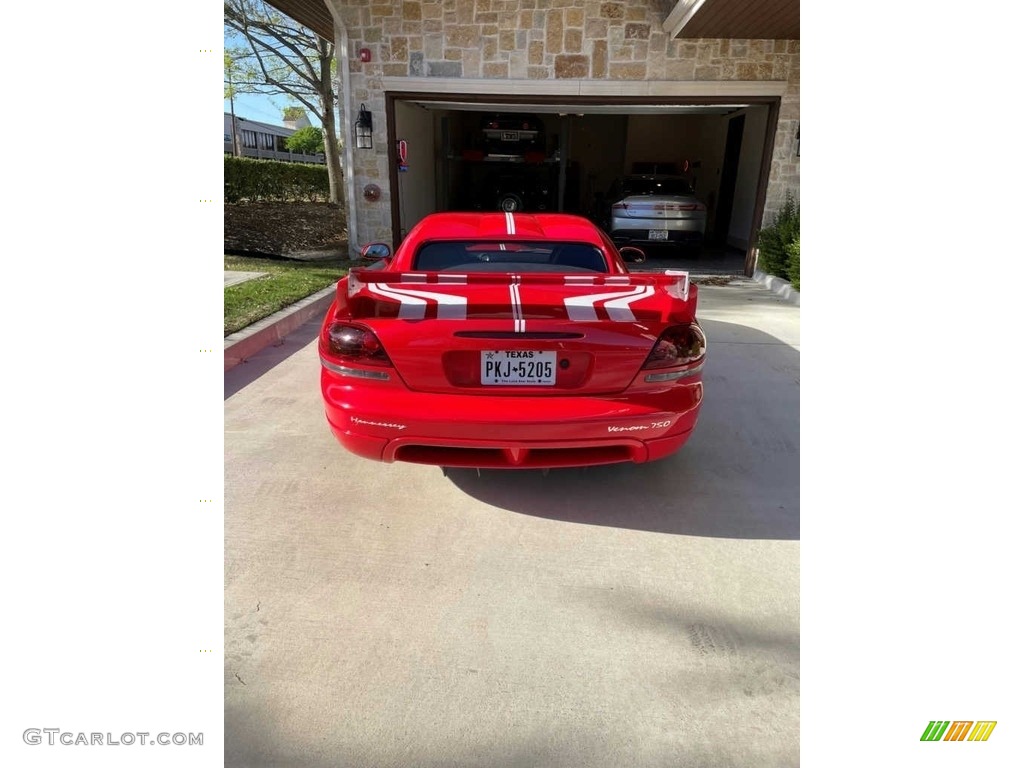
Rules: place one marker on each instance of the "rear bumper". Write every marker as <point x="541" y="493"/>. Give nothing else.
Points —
<point x="486" y="454"/>
<point x="633" y="235"/>
<point x="510" y="432"/>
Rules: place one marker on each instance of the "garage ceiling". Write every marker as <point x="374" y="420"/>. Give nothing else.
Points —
<point x="581" y="109"/>
<point x="309" y="13"/>
<point x="736" y="19"/>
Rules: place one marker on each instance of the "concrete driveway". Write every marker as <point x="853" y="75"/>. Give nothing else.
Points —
<point x="387" y="615"/>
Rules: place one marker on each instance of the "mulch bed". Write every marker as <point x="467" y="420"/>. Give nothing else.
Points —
<point x="284" y="229"/>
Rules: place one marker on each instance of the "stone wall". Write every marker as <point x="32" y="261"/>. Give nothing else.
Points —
<point x="615" y="40"/>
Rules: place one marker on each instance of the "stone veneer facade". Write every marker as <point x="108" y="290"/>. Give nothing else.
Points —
<point x="610" y="40"/>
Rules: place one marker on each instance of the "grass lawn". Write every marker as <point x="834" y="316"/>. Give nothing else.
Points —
<point x="286" y="282"/>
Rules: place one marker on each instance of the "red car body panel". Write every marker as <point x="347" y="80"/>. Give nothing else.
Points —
<point x="406" y="353"/>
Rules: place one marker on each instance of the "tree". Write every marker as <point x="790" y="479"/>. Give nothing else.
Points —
<point x="230" y="73"/>
<point x="278" y="55"/>
<point x="309" y="140"/>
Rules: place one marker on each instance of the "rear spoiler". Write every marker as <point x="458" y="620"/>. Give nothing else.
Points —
<point x="520" y="298"/>
<point x="675" y="282"/>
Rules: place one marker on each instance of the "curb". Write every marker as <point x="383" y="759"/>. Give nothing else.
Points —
<point x="778" y="286"/>
<point x="243" y="344"/>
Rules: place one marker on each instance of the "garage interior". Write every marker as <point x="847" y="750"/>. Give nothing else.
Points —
<point x="568" y="155"/>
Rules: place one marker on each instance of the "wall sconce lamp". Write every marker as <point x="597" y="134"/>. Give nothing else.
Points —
<point x="364" y="128"/>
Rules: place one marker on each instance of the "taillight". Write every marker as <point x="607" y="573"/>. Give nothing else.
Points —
<point x="677" y="346"/>
<point x="675" y="207"/>
<point x="353" y="343"/>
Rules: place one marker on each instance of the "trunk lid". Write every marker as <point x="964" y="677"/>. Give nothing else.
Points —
<point x="660" y="207"/>
<point x="494" y="333"/>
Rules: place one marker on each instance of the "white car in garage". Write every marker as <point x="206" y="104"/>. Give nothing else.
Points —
<point x="655" y="209"/>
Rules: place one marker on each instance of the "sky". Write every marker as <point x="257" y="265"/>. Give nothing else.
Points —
<point x="254" y="106"/>
<point x="264" y="109"/>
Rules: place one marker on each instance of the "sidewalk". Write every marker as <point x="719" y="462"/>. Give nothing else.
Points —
<point x="234" y="278"/>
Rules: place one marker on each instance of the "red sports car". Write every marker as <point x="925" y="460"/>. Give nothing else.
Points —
<point x="506" y="340"/>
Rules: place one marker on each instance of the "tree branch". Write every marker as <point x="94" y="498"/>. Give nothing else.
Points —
<point x="311" y="84"/>
<point x="291" y="39"/>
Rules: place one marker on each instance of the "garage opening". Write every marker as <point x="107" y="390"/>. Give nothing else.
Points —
<point x="478" y="154"/>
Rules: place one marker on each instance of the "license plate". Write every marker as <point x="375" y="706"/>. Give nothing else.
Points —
<point x="510" y="135"/>
<point x="657" y="234"/>
<point x="517" y="367"/>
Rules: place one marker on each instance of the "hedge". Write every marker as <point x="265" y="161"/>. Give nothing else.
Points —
<point x="793" y="263"/>
<point x="774" y="241"/>
<point x="251" y="180"/>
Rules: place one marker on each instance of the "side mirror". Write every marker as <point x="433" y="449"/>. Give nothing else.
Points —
<point x="633" y="255"/>
<point x="376" y="251"/>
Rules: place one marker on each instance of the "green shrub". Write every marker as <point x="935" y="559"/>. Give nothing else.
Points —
<point x="773" y="241"/>
<point x="793" y="262"/>
<point x="251" y="180"/>
<point x="309" y="140"/>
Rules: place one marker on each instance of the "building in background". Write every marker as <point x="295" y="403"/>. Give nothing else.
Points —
<point x="264" y="141"/>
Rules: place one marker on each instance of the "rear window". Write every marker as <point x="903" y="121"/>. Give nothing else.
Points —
<point x="655" y="187"/>
<point x="514" y="256"/>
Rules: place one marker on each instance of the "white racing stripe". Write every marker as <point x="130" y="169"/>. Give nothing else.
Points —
<point x="412" y="308"/>
<point x="618" y="309"/>
<point x="510" y="223"/>
<point x="414" y="303"/>
<point x="582" y="307"/>
<point x="518" y="322"/>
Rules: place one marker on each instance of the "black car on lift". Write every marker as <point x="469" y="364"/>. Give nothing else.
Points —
<point x="508" y="170"/>
<point x="512" y="134"/>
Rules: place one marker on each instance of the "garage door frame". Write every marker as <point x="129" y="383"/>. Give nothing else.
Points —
<point x="710" y="94"/>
